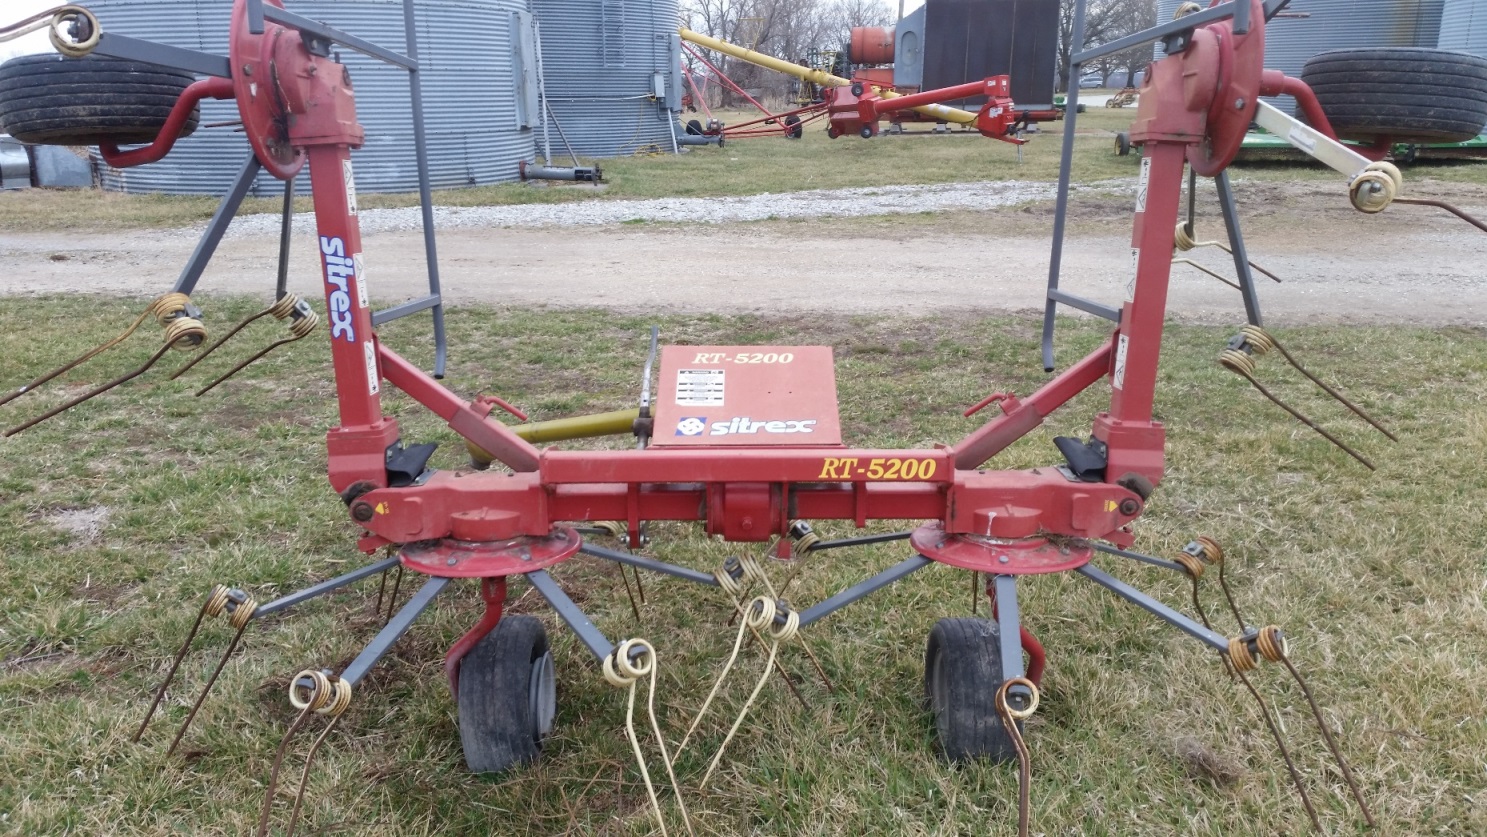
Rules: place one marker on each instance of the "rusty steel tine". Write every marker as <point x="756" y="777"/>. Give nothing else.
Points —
<point x="1316" y="712"/>
<point x="304" y="776"/>
<point x="218" y="344"/>
<point x="236" y="369"/>
<point x="205" y="690"/>
<point x="1285" y="753"/>
<point x="1449" y="208"/>
<point x="1357" y="411"/>
<point x="1308" y="422"/>
<point x="1217" y="276"/>
<point x="273" y="776"/>
<point x="625" y="577"/>
<point x="170" y="675"/>
<point x="159" y="353"/>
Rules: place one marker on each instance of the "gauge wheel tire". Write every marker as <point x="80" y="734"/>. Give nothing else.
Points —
<point x="1405" y="94"/>
<point x="832" y="133"/>
<point x="507" y="696"/>
<point x="962" y="671"/>
<point x="866" y="132"/>
<point x="793" y="129"/>
<point x="52" y="100"/>
<point x="1122" y="144"/>
<point x="694" y="127"/>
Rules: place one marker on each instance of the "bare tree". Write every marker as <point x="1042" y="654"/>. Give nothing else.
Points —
<point x="1105" y="21"/>
<point x="783" y="28"/>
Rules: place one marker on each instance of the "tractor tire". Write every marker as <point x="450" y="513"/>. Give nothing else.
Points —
<point x="507" y="696"/>
<point x="793" y="129"/>
<point x="1122" y="144"/>
<point x="52" y="100"/>
<point x="962" y="671"/>
<point x="1405" y="94"/>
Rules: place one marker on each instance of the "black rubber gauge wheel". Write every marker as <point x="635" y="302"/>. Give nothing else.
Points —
<point x="1122" y="144"/>
<point x="866" y="132"/>
<point x="694" y="127"/>
<point x="793" y="129"/>
<point x="962" y="671"/>
<point x="52" y="100"/>
<point x="1406" y="94"/>
<point x="507" y="696"/>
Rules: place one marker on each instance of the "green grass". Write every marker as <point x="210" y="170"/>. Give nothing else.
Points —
<point x="743" y="167"/>
<point x="116" y="517"/>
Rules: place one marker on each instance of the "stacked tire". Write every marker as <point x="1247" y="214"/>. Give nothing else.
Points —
<point x="1402" y="94"/>
<point x="52" y="100"/>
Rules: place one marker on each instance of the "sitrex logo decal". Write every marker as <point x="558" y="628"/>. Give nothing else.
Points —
<point x="741" y="426"/>
<point x="340" y="271"/>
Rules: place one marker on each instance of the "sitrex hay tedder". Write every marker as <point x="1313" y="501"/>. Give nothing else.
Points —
<point x="744" y="440"/>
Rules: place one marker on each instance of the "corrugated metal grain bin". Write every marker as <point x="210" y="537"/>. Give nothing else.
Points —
<point x="477" y="123"/>
<point x="1464" y="27"/>
<point x="1340" y="24"/>
<point x="610" y="69"/>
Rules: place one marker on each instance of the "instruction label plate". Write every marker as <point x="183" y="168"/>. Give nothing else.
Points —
<point x="747" y="396"/>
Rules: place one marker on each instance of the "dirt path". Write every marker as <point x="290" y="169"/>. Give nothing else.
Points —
<point x="1411" y="265"/>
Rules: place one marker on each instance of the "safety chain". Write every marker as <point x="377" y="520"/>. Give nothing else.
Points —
<point x="1252" y="341"/>
<point x="1010" y="716"/>
<point x="312" y="693"/>
<point x="302" y="323"/>
<point x="240" y="609"/>
<point x="80" y="23"/>
<point x="173" y="311"/>
<point x="623" y="668"/>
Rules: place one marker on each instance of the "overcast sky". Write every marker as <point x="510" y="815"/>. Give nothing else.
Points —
<point x="12" y="10"/>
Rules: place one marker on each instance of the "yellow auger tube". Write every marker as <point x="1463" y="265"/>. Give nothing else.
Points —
<point x="558" y="430"/>
<point x="948" y="114"/>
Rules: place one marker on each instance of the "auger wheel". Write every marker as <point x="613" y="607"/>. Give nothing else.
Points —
<point x="507" y="696"/>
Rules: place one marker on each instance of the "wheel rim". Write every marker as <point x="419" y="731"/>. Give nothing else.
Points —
<point x="937" y="697"/>
<point x="542" y="696"/>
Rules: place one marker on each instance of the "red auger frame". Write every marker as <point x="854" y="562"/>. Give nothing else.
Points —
<point x="297" y="106"/>
<point x="858" y="109"/>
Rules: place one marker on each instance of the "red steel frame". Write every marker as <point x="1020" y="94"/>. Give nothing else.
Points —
<point x="1195" y="109"/>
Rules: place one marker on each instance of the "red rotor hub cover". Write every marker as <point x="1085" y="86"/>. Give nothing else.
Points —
<point x="255" y="82"/>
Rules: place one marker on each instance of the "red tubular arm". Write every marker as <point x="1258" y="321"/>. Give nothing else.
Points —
<point x="1276" y="83"/>
<point x="1020" y="417"/>
<point x="214" y="88"/>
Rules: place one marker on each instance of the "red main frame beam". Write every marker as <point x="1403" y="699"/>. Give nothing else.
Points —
<point x="752" y="494"/>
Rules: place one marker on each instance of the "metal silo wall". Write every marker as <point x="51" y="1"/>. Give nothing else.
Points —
<point x="598" y="59"/>
<point x="1464" y="27"/>
<point x="1339" y="24"/>
<point x="469" y="94"/>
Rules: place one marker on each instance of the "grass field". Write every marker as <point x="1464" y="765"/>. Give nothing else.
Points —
<point x="743" y="167"/>
<point x="116" y="518"/>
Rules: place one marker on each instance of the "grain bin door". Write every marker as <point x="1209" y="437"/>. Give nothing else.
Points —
<point x="524" y="68"/>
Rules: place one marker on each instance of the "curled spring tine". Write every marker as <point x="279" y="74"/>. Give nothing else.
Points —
<point x="162" y="309"/>
<point x="179" y="334"/>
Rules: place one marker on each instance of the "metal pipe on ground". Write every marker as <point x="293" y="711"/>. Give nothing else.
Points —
<point x="581" y="174"/>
